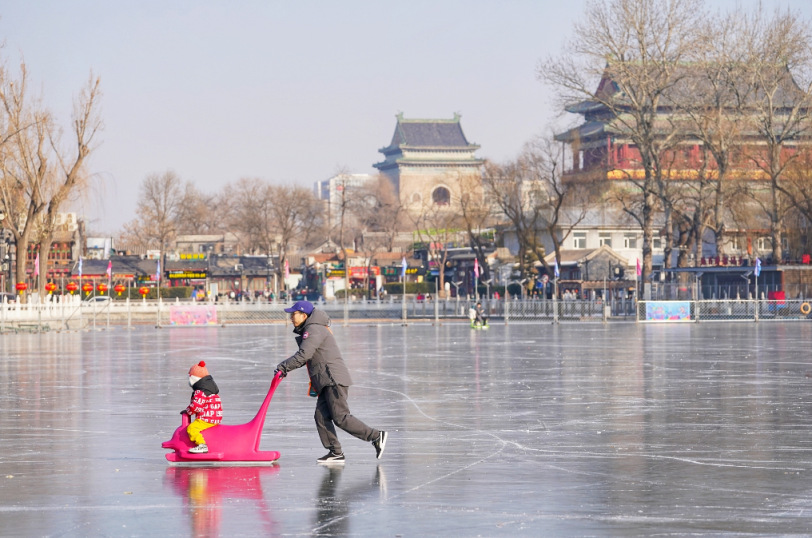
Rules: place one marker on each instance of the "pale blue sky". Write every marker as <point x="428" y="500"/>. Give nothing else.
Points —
<point x="286" y="91"/>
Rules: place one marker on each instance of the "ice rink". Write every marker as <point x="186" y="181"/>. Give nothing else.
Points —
<point x="526" y="430"/>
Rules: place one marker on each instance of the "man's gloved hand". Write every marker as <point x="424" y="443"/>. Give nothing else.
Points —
<point x="280" y="372"/>
<point x="183" y="412"/>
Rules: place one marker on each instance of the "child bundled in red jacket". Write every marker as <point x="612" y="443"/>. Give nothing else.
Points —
<point x="205" y="406"/>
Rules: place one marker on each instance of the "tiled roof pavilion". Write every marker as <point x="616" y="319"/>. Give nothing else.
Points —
<point x="421" y="142"/>
<point x="429" y="133"/>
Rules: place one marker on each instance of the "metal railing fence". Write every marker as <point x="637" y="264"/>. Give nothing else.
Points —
<point x="725" y="310"/>
<point x="74" y="314"/>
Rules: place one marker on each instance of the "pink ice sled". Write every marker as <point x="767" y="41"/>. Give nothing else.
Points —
<point x="228" y="445"/>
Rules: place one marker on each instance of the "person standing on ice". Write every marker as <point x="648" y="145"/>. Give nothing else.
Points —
<point x="329" y="381"/>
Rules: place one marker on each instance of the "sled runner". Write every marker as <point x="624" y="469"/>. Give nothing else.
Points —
<point x="228" y="445"/>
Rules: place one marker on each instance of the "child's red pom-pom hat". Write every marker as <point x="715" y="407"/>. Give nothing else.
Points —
<point x="199" y="370"/>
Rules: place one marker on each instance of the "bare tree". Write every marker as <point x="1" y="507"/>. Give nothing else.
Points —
<point x="378" y="208"/>
<point x="380" y="215"/>
<point x="160" y="203"/>
<point x="625" y="57"/>
<point x="779" y="68"/>
<point x="532" y="193"/>
<point x="714" y="102"/>
<point x="436" y="225"/>
<point x="565" y="204"/>
<point x="797" y="186"/>
<point x="476" y="214"/>
<point x="201" y="213"/>
<point x="345" y="224"/>
<point x="25" y="161"/>
<point x="71" y="174"/>
<point x="274" y="218"/>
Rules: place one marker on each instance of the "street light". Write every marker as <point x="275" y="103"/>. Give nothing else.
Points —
<point x="488" y="288"/>
<point x="746" y="276"/>
<point x="457" y="289"/>
<point x="6" y="257"/>
<point x="270" y="266"/>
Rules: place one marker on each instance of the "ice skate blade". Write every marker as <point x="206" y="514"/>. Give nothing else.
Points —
<point x="222" y="463"/>
<point x="331" y="462"/>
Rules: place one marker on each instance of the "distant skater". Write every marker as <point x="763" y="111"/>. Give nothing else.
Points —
<point x="329" y="381"/>
<point x="480" y="315"/>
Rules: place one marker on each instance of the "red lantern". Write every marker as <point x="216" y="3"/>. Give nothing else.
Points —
<point x="50" y="287"/>
<point x="143" y="290"/>
<point x="119" y="288"/>
<point x="71" y="287"/>
<point x="102" y="288"/>
<point x="21" y="287"/>
<point x="87" y="288"/>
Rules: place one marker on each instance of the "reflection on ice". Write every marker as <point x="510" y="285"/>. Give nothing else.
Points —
<point x="334" y="502"/>
<point x="704" y="430"/>
<point x="204" y="489"/>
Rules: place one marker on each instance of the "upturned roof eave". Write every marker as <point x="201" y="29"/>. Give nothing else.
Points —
<point x="393" y="164"/>
<point x="388" y="150"/>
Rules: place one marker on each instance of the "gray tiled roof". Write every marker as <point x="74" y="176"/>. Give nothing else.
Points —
<point x="429" y="133"/>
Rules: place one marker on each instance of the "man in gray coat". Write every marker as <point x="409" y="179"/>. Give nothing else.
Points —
<point x="329" y="381"/>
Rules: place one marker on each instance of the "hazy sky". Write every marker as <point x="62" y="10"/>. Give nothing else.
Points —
<point x="288" y="91"/>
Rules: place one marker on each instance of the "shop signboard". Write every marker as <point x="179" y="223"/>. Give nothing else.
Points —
<point x="410" y="271"/>
<point x="194" y="275"/>
<point x="361" y="272"/>
<point x="193" y="256"/>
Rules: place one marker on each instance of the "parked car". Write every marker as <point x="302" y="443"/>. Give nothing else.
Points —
<point x="98" y="299"/>
<point x="9" y="297"/>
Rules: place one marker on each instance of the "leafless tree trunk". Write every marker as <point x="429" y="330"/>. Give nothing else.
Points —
<point x="644" y="42"/>
<point x="71" y="171"/>
<point x="779" y="68"/>
<point x="475" y="214"/>
<point x="27" y="169"/>
<point x="160" y="202"/>
<point x="274" y="218"/>
<point x="436" y="226"/>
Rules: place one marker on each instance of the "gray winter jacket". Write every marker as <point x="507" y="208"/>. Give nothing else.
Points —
<point x="318" y="349"/>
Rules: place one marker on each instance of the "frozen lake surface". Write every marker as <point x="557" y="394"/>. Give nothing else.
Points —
<point x="527" y="430"/>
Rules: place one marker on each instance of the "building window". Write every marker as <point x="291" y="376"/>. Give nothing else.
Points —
<point x="416" y="198"/>
<point x="605" y="239"/>
<point x="579" y="240"/>
<point x="734" y="244"/>
<point x="630" y="241"/>
<point x="441" y="196"/>
<point x="785" y="243"/>
<point x="658" y="242"/>
<point x="763" y="244"/>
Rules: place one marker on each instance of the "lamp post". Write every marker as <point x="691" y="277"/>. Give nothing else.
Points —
<point x="457" y="289"/>
<point x="488" y="288"/>
<point x="208" y="272"/>
<point x="6" y="257"/>
<point x="270" y="266"/>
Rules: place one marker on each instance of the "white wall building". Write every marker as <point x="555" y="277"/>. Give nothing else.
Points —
<point x="333" y="189"/>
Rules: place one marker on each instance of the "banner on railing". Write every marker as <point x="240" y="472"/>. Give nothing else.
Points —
<point x="668" y="311"/>
<point x="193" y="315"/>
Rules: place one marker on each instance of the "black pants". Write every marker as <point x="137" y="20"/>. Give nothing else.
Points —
<point x="332" y="408"/>
<point x="482" y="320"/>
